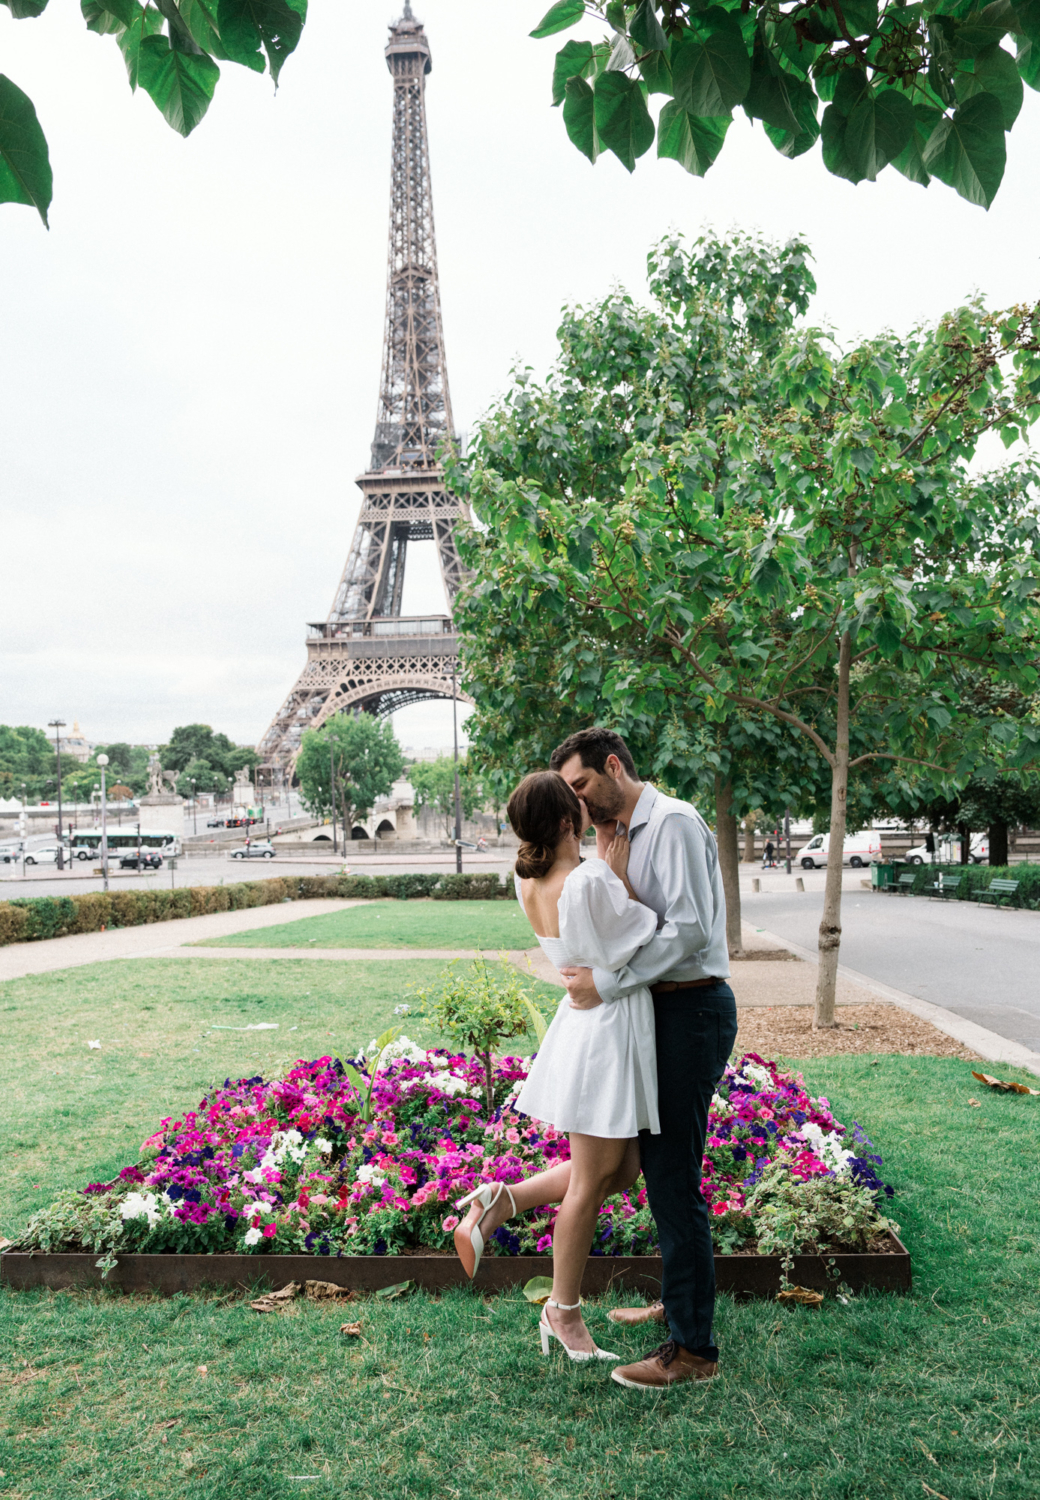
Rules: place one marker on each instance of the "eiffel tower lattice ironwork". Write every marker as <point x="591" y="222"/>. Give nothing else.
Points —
<point x="367" y="656"/>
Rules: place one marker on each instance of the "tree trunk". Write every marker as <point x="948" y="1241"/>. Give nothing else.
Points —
<point x="964" y="833"/>
<point x="750" y="857"/>
<point x="729" y="862"/>
<point x="998" y="843"/>
<point x="830" y="924"/>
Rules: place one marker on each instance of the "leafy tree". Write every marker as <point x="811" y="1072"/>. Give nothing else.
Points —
<point x="171" y="49"/>
<point x="990" y="801"/>
<point x="26" y="755"/>
<point x="703" y="354"/>
<point x="197" y="742"/>
<point x="931" y="89"/>
<point x="831" y="560"/>
<point x="347" y="764"/>
<point x="434" y="783"/>
<point x="206" y="779"/>
<point x="129" y="763"/>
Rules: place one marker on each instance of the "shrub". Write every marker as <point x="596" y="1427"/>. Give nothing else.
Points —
<point x="13" y="922"/>
<point x="976" y="878"/>
<point x="29" y="918"/>
<point x="472" y="888"/>
<point x="93" y="911"/>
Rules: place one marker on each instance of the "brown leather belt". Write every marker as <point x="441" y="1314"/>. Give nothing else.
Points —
<point x="666" y="986"/>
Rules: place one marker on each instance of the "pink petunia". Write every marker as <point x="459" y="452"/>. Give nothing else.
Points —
<point x="269" y="1231"/>
<point x="450" y="1223"/>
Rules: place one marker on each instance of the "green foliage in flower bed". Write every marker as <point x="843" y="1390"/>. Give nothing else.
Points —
<point x="976" y="878"/>
<point x="28" y="918"/>
<point x="865" y="1400"/>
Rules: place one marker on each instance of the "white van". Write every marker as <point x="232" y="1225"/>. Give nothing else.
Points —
<point x="858" y="849"/>
<point x="948" y="851"/>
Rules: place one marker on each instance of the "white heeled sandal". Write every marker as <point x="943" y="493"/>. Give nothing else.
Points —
<point x="548" y="1332"/>
<point x="470" y="1246"/>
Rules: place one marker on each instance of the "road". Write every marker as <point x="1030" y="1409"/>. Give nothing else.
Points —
<point x="982" y="964"/>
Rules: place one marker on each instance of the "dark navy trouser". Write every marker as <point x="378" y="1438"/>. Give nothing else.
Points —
<point x="696" y="1029"/>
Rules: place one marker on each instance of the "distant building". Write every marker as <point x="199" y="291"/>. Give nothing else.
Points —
<point x="75" y="744"/>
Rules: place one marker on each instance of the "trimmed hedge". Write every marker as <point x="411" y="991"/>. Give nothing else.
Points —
<point x="27" y="919"/>
<point x="975" y="878"/>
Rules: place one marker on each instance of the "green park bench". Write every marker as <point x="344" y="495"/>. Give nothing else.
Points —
<point x="947" y="886"/>
<point x="904" y="885"/>
<point x="998" y="890"/>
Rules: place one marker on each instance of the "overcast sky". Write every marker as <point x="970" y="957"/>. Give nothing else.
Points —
<point x="192" y="352"/>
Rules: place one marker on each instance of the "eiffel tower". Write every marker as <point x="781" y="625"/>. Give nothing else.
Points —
<point x="367" y="656"/>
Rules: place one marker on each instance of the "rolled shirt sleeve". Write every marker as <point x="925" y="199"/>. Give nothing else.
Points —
<point x="684" y="862"/>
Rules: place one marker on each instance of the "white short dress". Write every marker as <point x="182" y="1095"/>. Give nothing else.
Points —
<point x="596" y="1071"/>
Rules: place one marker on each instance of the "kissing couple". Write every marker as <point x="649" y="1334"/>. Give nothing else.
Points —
<point x="630" y="1062"/>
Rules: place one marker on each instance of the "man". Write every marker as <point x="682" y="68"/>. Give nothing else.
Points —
<point x="674" y="869"/>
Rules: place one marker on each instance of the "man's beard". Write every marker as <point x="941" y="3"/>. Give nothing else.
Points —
<point x="606" y="804"/>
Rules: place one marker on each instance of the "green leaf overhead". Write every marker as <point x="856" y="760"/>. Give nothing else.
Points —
<point x="995" y="72"/>
<point x="108" y="17"/>
<point x="579" y="116"/>
<point x="25" y="168"/>
<point x="623" y="123"/>
<point x="572" y="61"/>
<point x="26" y="10"/>
<point x="147" y="23"/>
<point x="559" y="16"/>
<point x="898" y="79"/>
<point x="689" y="139"/>
<point x="180" y="83"/>
<point x="968" y="152"/>
<point x="711" y="70"/>
<point x="247" y="25"/>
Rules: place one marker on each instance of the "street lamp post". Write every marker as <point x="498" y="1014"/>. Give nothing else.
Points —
<point x="25" y="829"/>
<point x="458" y="795"/>
<point x="787" y="836"/>
<point x="58" y="725"/>
<point x="194" y="807"/>
<point x="102" y="761"/>
<point x="332" y="799"/>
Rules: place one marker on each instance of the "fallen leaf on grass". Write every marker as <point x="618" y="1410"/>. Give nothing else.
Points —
<point x="203" y="1370"/>
<point x="1005" y="1088"/>
<point x="803" y="1296"/>
<point x="96" y="1045"/>
<point x="974" y="1104"/>
<point x="352" y="1330"/>
<point x="171" y="1423"/>
<point x="318" y="1291"/>
<point x="397" y="1290"/>
<point x="538" y="1290"/>
<point x="275" y="1301"/>
<point x="4" y="1243"/>
<point x="929" y="1491"/>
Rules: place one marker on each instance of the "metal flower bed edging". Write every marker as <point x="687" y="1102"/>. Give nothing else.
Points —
<point x="741" y="1275"/>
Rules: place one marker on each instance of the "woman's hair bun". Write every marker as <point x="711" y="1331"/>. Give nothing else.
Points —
<point x="534" y="860"/>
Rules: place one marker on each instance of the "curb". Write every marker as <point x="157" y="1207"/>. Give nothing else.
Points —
<point x="988" y="1044"/>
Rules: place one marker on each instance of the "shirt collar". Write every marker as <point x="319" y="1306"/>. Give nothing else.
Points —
<point x="647" y="797"/>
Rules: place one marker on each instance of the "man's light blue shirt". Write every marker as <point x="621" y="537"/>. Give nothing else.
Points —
<point x="673" y="867"/>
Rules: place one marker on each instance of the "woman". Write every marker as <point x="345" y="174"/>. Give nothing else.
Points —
<point x="595" y="1075"/>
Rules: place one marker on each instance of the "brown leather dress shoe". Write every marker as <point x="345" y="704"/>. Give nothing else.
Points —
<point x="665" y="1366"/>
<point x="632" y="1317"/>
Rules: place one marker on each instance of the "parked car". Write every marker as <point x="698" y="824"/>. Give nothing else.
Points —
<point x="9" y="856"/>
<point x="948" y="851"/>
<point x="46" y="856"/>
<point x="215" y="823"/>
<point x="148" y="859"/>
<point x="259" y="849"/>
<point x="858" y="850"/>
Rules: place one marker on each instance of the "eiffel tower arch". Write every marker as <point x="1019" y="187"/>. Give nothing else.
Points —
<point x="367" y="656"/>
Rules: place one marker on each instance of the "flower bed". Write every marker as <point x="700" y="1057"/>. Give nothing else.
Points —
<point x="305" y="1165"/>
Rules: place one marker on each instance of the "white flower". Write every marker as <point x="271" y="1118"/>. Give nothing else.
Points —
<point x="826" y="1144"/>
<point x="401" y="1010"/>
<point x="140" y="1206"/>
<point x="452" y="1085"/>
<point x="370" y="1173"/>
<point x="322" y="1145"/>
<point x="517" y="1086"/>
<point x="754" y="1073"/>
<point x="252" y="1237"/>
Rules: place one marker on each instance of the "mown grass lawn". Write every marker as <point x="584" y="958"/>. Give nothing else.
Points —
<point x="937" y="1393"/>
<point x="70" y="1114"/>
<point x="397" y="924"/>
